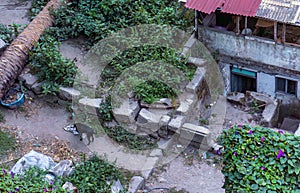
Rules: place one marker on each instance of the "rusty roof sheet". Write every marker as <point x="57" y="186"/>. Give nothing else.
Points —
<point x="287" y="11"/>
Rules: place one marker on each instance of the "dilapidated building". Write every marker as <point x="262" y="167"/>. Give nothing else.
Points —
<point x="256" y="43"/>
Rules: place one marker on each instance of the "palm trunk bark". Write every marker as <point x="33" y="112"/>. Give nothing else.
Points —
<point x="15" y="56"/>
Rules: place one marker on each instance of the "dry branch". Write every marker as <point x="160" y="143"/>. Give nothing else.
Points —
<point x="15" y="56"/>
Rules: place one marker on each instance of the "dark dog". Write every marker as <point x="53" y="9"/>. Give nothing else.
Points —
<point x="81" y="128"/>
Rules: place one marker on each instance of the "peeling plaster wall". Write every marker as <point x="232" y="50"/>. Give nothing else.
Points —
<point x="266" y="84"/>
<point x="251" y="48"/>
<point x="264" y="56"/>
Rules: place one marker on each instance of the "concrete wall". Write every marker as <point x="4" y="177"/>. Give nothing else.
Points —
<point x="256" y="49"/>
<point x="261" y="55"/>
<point x="266" y="83"/>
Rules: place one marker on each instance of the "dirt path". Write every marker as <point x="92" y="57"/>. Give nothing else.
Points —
<point x="46" y="120"/>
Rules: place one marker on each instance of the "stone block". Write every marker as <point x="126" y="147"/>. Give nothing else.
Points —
<point x="199" y="62"/>
<point x="156" y="153"/>
<point x="185" y="107"/>
<point x="136" y="183"/>
<point x="28" y="79"/>
<point x="148" y="121"/>
<point x="236" y="97"/>
<point x="194" y="85"/>
<point x="90" y="105"/>
<point x="127" y="111"/>
<point x="2" y="45"/>
<point x="297" y="132"/>
<point x="37" y="88"/>
<point x="196" y="134"/>
<point x="176" y="123"/>
<point x="68" y="93"/>
<point x="163" y="126"/>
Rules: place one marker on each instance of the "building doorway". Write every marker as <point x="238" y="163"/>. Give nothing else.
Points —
<point x="243" y="80"/>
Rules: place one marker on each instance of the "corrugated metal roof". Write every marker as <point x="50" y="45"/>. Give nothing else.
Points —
<point x="206" y="6"/>
<point x="238" y="7"/>
<point x="241" y="7"/>
<point x="287" y="11"/>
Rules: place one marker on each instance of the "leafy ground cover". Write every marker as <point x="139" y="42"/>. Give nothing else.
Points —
<point x="90" y="175"/>
<point x="258" y="159"/>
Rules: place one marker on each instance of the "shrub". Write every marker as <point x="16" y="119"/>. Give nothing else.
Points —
<point x="50" y="65"/>
<point x="130" y="140"/>
<point x="6" y="33"/>
<point x="260" y="160"/>
<point x="33" y="180"/>
<point x="93" y="175"/>
<point x="96" y="19"/>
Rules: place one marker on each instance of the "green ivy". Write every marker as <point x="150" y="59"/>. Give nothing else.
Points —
<point x="93" y="175"/>
<point x="33" y="180"/>
<point x="130" y="140"/>
<point x="36" y="7"/>
<point x="258" y="159"/>
<point x="6" y="33"/>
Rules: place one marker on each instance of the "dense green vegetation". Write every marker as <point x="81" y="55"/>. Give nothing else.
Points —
<point x="90" y="175"/>
<point x="258" y="159"/>
<point x="51" y="67"/>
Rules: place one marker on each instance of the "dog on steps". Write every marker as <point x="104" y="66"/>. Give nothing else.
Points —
<point x="82" y="128"/>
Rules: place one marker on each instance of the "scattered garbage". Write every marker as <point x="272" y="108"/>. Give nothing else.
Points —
<point x="72" y="129"/>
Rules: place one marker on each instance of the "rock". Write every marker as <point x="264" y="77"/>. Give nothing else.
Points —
<point x="297" y="133"/>
<point x="236" y="97"/>
<point x="127" y="111"/>
<point x="31" y="159"/>
<point x="136" y="183"/>
<point x="63" y="168"/>
<point x="28" y="79"/>
<point x="68" y="93"/>
<point x="69" y="187"/>
<point x="270" y="114"/>
<point x="185" y="107"/>
<point x="165" y="144"/>
<point x="198" y="134"/>
<point x="156" y="153"/>
<point x="90" y="105"/>
<point x="176" y="123"/>
<point x="116" y="187"/>
<point x="162" y="180"/>
<point x="194" y="85"/>
<point x="163" y="126"/>
<point x="37" y="88"/>
<point x="199" y="62"/>
<point x="260" y="97"/>
<point x="148" y="121"/>
<point x="49" y="178"/>
<point x="2" y="45"/>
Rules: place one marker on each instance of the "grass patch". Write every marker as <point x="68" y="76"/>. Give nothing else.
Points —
<point x="7" y="142"/>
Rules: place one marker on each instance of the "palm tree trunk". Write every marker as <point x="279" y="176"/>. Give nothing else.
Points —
<point x="15" y="56"/>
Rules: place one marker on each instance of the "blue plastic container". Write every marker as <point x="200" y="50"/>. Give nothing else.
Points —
<point x="15" y="104"/>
